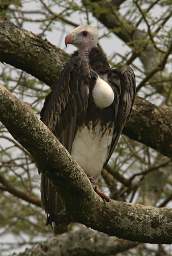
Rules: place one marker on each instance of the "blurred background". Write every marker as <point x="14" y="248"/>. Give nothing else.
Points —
<point x="133" y="32"/>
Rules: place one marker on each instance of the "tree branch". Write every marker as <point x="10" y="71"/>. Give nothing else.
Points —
<point x="24" y="50"/>
<point x="133" y="222"/>
<point x="151" y="125"/>
<point x="18" y="193"/>
<point x="81" y="242"/>
<point x="29" y="52"/>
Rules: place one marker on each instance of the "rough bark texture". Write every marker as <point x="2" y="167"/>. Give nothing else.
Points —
<point x="29" y="52"/>
<point x="24" y="50"/>
<point x="151" y="125"/>
<point x="80" y="242"/>
<point x="133" y="222"/>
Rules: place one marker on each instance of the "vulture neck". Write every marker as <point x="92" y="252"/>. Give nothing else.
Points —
<point x="94" y="58"/>
<point x="84" y="54"/>
<point x="98" y="61"/>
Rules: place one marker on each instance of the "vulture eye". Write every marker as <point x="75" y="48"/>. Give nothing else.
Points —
<point x="84" y="33"/>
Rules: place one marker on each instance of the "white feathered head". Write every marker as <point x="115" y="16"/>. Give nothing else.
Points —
<point x="83" y="37"/>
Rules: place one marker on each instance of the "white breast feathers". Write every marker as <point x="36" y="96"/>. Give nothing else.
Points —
<point x="103" y="94"/>
<point x="90" y="148"/>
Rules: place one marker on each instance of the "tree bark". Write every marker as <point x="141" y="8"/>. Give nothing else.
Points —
<point x="28" y="52"/>
<point x="132" y="222"/>
<point x="151" y="125"/>
<point x="80" y="242"/>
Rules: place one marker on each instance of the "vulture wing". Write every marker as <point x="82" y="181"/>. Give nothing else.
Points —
<point x="63" y="110"/>
<point x="123" y="83"/>
<point x="124" y="87"/>
<point x="65" y="106"/>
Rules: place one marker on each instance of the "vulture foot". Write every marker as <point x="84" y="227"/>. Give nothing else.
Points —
<point x="97" y="190"/>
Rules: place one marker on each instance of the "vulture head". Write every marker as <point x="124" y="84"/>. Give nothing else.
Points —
<point x="83" y="37"/>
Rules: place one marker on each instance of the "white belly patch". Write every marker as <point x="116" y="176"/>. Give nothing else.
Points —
<point x="90" y="148"/>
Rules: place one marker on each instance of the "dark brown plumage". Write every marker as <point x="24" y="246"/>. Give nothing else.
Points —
<point x="69" y="106"/>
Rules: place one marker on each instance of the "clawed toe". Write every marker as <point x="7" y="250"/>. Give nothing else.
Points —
<point x="97" y="190"/>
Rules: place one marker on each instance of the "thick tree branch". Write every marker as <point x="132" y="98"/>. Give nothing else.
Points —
<point x="80" y="242"/>
<point x="24" y="50"/>
<point x="151" y="125"/>
<point x="36" y="56"/>
<point x="133" y="222"/>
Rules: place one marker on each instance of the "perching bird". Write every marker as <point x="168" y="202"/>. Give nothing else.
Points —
<point x="87" y="109"/>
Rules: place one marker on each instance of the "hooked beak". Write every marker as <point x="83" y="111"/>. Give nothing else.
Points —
<point x="68" y="39"/>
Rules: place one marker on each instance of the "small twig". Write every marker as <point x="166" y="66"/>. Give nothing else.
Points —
<point x="165" y="201"/>
<point x="57" y="16"/>
<point x="147" y="10"/>
<point x="18" y="193"/>
<point x="148" y="27"/>
<point x="158" y="68"/>
<point x="151" y="169"/>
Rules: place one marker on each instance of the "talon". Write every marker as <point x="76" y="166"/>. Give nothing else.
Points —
<point x="97" y="190"/>
<point x="101" y="194"/>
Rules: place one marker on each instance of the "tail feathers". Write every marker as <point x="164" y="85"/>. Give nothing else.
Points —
<point x="54" y="206"/>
